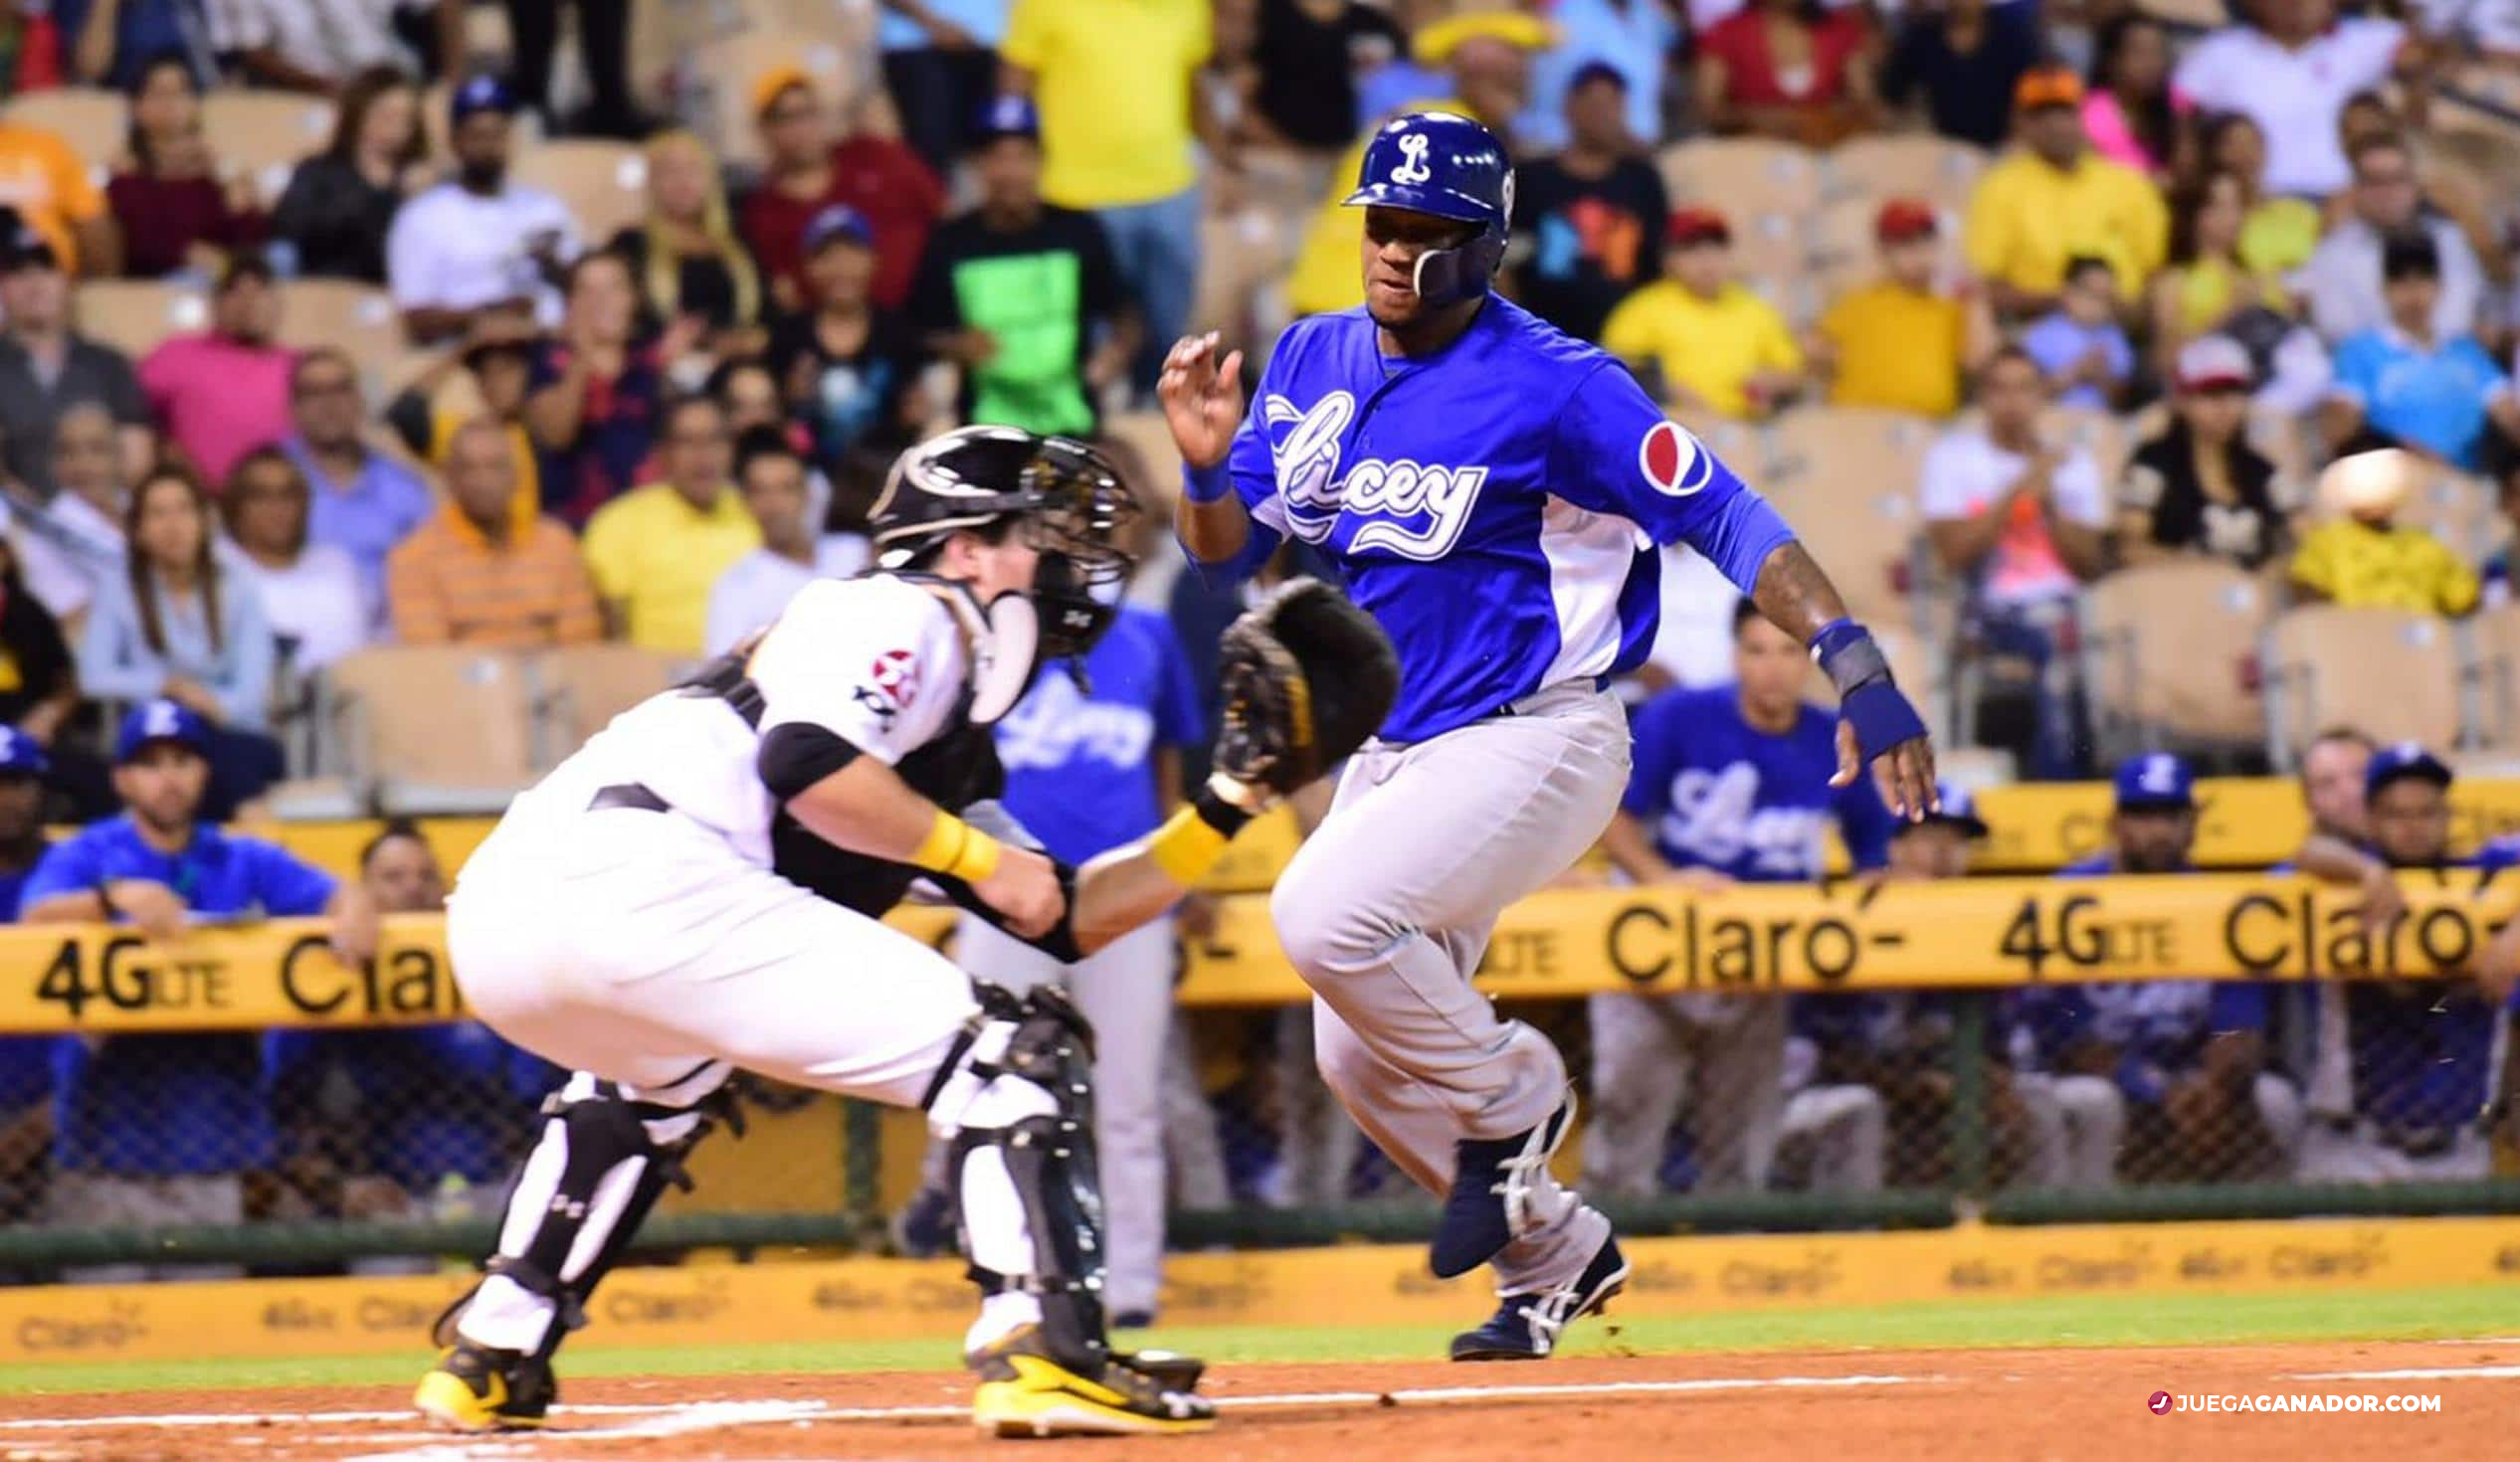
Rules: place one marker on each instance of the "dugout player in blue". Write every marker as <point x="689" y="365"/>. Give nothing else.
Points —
<point x="23" y="766"/>
<point x="161" y="1129"/>
<point x="1493" y="491"/>
<point x="1732" y="784"/>
<point x="2174" y="1070"/>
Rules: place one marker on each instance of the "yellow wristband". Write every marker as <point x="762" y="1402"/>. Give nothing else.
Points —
<point x="1185" y="847"/>
<point x="957" y="850"/>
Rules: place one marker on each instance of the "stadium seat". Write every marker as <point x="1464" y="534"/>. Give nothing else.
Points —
<point x="2170" y="656"/>
<point x="1745" y="446"/>
<point x="357" y="318"/>
<point x="2098" y="432"/>
<point x="1146" y="435"/>
<point x="1845" y="479"/>
<point x="434" y="729"/>
<point x="2391" y="673"/>
<point x="1904" y="165"/>
<point x="1744" y="177"/>
<point x="2495" y="671"/>
<point x="134" y="315"/>
<point x="583" y="686"/>
<point x="91" y="120"/>
<point x="261" y="134"/>
<point x="604" y="184"/>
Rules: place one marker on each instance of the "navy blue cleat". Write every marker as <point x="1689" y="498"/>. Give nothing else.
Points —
<point x="1525" y="1327"/>
<point x="1489" y="1205"/>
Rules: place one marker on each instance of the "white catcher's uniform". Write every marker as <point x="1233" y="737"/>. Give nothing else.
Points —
<point x="643" y="945"/>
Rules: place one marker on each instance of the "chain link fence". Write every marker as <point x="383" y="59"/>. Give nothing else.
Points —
<point x="1802" y="1111"/>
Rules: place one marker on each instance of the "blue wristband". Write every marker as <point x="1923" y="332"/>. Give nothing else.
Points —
<point x="1207" y="485"/>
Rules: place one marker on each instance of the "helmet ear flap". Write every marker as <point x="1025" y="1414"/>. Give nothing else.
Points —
<point x="1450" y="275"/>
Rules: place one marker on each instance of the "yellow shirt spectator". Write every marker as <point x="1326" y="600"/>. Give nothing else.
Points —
<point x="48" y="185"/>
<point x="1898" y="348"/>
<point x="2368" y="566"/>
<point x="1709" y="347"/>
<point x="1112" y="79"/>
<point x="655" y="556"/>
<point x="2029" y="217"/>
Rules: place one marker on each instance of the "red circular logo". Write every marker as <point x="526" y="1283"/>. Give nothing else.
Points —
<point x="1669" y="459"/>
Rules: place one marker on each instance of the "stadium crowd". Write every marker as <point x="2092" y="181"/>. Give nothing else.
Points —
<point x="2104" y="292"/>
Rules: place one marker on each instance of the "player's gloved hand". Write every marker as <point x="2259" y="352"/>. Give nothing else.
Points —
<point x="1306" y="677"/>
<point x="1024" y="887"/>
<point x="1874" y="720"/>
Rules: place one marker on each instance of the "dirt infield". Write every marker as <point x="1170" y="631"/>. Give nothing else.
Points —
<point x="1937" y="1404"/>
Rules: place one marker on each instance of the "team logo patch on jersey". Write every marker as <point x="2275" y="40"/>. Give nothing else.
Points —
<point x="892" y="684"/>
<point x="1672" y="461"/>
<point x="1415" y="509"/>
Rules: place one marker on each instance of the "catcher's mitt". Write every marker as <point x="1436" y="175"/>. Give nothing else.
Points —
<point x="1306" y="677"/>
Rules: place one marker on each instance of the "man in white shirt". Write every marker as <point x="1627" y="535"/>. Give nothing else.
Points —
<point x="477" y="243"/>
<point x="2023" y="523"/>
<point x="319" y="45"/>
<point x="773" y="481"/>
<point x="2344" y="275"/>
<point x="2290" y="70"/>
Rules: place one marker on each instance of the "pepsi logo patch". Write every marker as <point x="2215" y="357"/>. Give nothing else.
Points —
<point x="1671" y="461"/>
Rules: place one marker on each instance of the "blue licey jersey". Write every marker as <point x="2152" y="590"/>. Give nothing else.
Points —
<point x="1494" y="504"/>
<point x="1715" y="792"/>
<point x="1080" y="763"/>
<point x="153" y="1104"/>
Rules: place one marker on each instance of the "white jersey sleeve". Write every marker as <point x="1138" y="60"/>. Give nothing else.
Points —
<point x="880" y="663"/>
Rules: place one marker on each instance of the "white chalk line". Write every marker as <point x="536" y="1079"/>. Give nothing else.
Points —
<point x="2420" y="1373"/>
<point x="687" y="1417"/>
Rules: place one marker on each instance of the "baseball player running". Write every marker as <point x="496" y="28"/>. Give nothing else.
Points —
<point x="1493" y="490"/>
<point x="697" y="889"/>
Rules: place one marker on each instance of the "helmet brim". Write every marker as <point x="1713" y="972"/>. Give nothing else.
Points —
<point x="1437" y="202"/>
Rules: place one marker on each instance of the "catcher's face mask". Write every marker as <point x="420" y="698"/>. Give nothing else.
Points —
<point x="1082" y="530"/>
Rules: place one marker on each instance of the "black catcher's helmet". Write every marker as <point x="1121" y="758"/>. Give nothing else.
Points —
<point x="1067" y="500"/>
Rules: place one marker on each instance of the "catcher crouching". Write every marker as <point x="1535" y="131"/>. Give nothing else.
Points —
<point x="700" y="889"/>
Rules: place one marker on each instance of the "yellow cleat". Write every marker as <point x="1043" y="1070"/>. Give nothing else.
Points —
<point x="473" y="1389"/>
<point x="1024" y="1393"/>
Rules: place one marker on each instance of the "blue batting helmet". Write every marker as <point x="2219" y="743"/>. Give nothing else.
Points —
<point x="1436" y="162"/>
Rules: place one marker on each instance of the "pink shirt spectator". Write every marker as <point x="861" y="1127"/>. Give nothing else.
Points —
<point x="2113" y="136"/>
<point x="217" y="397"/>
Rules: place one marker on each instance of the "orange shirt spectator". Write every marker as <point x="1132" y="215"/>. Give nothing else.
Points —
<point x="48" y="184"/>
<point x="473" y="576"/>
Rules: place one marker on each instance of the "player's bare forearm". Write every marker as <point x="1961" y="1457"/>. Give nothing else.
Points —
<point x="866" y="808"/>
<point x="1118" y="892"/>
<point x="1795" y="595"/>
<point x="1625" y="841"/>
<point x="1214" y="532"/>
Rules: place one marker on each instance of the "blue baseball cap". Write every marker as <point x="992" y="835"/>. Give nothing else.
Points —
<point x="2154" y="780"/>
<point x="1597" y="70"/>
<point x="835" y="223"/>
<point x="1007" y="117"/>
<point x="480" y="93"/>
<point x="1957" y="808"/>
<point x="160" y="720"/>
<point x="2402" y="759"/>
<point x="22" y="755"/>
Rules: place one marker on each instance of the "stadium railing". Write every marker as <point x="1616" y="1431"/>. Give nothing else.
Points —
<point x="1960" y="1142"/>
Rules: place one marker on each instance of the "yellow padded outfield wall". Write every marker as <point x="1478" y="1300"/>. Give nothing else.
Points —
<point x="2241" y="823"/>
<point x="1986" y="933"/>
<point x="707" y="1304"/>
